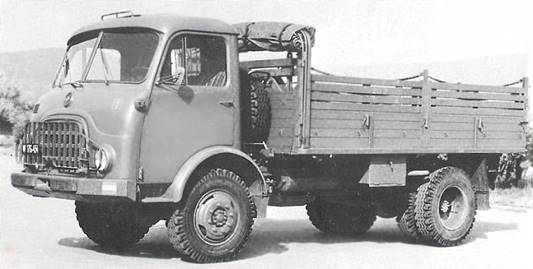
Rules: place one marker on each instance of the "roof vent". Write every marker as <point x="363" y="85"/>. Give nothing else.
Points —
<point x="120" y="14"/>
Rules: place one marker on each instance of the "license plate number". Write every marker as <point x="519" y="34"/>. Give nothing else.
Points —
<point x="30" y="148"/>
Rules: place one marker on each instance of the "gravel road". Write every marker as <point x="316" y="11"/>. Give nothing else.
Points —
<point x="43" y="233"/>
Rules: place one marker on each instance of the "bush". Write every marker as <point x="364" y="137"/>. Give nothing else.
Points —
<point x="513" y="167"/>
<point x="510" y="171"/>
<point x="15" y="109"/>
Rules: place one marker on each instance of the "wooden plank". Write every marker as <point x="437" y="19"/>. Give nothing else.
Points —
<point x="359" y="124"/>
<point x="465" y="134"/>
<point x="349" y="88"/>
<point x="351" y="115"/>
<point x="319" y="142"/>
<point x="452" y="144"/>
<point x="365" y="107"/>
<point x="470" y="135"/>
<point x="267" y="63"/>
<point x="398" y="125"/>
<point x="472" y="87"/>
<point x="398" y="134"/>
<point x="337" y="124"/>
<point x="353" y="133"/>
<point x="395" y="143"/>
<point x="478" y="95"/>
<point x="502" y="143"/>
<point x="444" y="118"/>
<point x="366" y="81"/>
<point x="451" y="126"/>
<point x="384" y="116"/>
<point x="509" y="120"/>
<point x="502" y="127"/>
<point x="485" y="104"/>
<point x="501" y="135"/>
<point x="336" y="114"/>
<point x="479" y="111"/>
<point x="451" y="118"/>
<point x="386" y="149"/>
<point x="320" y="96"/>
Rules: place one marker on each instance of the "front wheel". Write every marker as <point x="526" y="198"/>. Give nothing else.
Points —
<point x="216" y="220"/>
<point x="111" y="225"/>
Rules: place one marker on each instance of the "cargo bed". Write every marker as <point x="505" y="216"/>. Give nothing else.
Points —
<point x="349" y="115"/>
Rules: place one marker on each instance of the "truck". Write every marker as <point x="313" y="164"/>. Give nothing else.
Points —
<point x="159" y="117"/>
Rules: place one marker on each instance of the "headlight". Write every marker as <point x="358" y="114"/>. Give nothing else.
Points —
<point x="102" y="160"/>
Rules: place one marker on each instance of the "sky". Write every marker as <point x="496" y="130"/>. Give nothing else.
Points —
<point x="473" y="41"/>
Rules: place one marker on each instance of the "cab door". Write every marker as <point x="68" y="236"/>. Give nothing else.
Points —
<point x="193" y="105"/>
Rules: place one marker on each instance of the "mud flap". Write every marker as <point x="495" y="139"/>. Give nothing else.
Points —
<point x="480" y="184"/>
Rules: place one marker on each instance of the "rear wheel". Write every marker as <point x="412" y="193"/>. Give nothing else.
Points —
<point x="111" y="225"/>
<point x="216" y="220"/>
<point x="445" y="207"/>
<point x="343" y="219"/>
<point x="406" y="221"/>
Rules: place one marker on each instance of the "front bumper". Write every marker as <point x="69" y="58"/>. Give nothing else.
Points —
<point x="74" y="188"/>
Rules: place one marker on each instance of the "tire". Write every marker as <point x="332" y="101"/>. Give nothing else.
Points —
<point x="256" y="108"/>
<point x="406" y="221"/>
<point x="445" y="207"/>
<point x="214" y="223"/>
<point x="341" y="219"/>
<point x="116" y="226"/>
<point x="260" y="112"/>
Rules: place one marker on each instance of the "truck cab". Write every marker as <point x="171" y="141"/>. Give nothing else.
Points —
<point x="115" y="114"/>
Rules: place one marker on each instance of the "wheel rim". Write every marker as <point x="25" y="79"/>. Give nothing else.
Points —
<point x="215" y="217"/>
<point x="453" y="208"/>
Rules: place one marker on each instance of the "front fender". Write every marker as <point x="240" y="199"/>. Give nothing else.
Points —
<point x="174" y="192"/>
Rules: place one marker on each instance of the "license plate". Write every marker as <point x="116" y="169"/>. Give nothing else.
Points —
<point x="30" y="149"/>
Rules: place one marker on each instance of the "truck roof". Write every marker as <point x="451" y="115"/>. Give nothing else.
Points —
<point x="164" y="23"/>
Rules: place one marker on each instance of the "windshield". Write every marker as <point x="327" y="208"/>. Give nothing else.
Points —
<point x="123" y="57"/>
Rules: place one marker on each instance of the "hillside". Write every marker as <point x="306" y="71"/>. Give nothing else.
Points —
<point x="31" y="71"/>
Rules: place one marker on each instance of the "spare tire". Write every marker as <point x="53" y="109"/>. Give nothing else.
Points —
<point x="255" y="106"/>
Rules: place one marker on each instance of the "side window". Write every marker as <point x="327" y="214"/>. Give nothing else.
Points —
<point x="202" y="58"/>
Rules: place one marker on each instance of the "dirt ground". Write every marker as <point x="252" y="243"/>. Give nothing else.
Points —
<point x="43" y="233"/>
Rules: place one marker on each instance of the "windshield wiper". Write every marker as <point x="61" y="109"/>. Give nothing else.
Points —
<point x="106" y="67"/>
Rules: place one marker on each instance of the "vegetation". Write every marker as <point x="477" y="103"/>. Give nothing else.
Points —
<point x="14" y="109"/>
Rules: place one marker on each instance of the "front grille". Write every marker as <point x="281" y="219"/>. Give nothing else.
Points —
<point x="62" y="145"/>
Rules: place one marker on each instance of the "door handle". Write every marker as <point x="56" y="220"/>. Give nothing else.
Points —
<point x="227" y="103"/>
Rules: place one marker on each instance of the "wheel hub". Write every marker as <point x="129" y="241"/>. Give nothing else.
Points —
<point x="445" y="207"/>
<point x="219" y="217"/>
<point x="215" y="217"/>
<point x="453" y="208"/>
